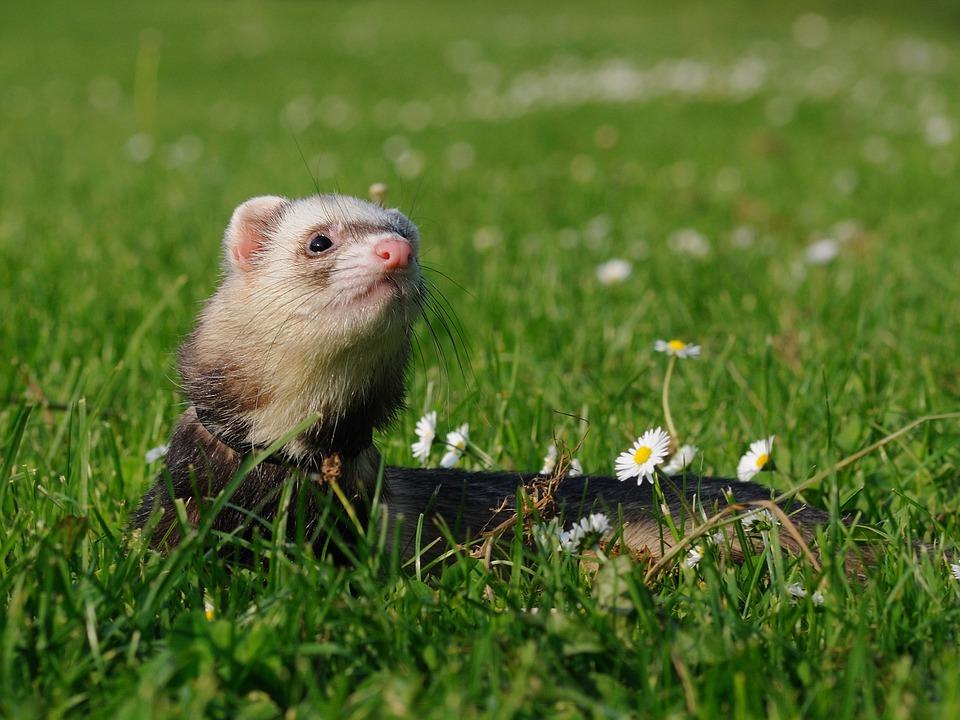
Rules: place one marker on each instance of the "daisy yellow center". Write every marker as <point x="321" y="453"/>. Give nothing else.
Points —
<point x="762" y="460"/>
<point x="676" y="345"/>
<point x="641" y="455"/>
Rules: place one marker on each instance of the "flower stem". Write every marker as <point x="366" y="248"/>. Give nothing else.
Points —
<point x="668" y="418"/>
<point x="347" y="505"/>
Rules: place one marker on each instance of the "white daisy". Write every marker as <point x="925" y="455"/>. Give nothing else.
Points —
<point x="679" y="348"/>
<point x="426" y="432"/>
<point x="759" y="520"/>
<point x="154" y="454"/>
<point x="613" y="271"/>
<point x="549" y="461"/>
<point x="641" y="460"/>
<point x="683" y="457"/>
<point x="796" y="589"/>
<point x="690" y="242"/>
<point x="598" y="523"/>
<point x="456" y="444"/>
<point x="955" y="570"/>
<point x="547" y="535"/>
<point x="586" y="533"/>
<point x="817" y="598"/>
<point x="755" y="459"/>
<point x="694" y="556"/>
<point x="822" y="252"/>
<point x="209" y="611"/>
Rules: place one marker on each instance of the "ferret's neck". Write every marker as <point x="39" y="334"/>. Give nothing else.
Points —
<point x="253" y="375"/>
<point x="355" y="473"/>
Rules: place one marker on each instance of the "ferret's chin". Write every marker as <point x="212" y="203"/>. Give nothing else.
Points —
<point x="380" y="299"/>
<point x="381" y="292"/>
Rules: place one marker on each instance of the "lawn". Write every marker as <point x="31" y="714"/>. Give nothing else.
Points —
<point x="782" y="181"/>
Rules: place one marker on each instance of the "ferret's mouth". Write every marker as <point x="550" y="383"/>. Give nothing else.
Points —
<point x="381" y="290"/>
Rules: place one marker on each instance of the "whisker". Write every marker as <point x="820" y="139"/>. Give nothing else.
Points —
<point x="441" y="317"/>
<point x="430" y="268"/>
<point x="436" y="341"/>
<point x="449" y="311"/>
<point x="416" y="196"/>
<point x="316" y="182"/>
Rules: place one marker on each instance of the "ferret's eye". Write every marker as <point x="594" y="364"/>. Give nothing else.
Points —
<point x="319" y="243"/>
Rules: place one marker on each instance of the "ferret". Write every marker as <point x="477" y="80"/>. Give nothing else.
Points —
<point x="314" y="318"/>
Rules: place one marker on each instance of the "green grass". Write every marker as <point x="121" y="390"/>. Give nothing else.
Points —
<point x="104" y="261"/>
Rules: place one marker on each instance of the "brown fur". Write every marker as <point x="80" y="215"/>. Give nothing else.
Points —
<point x="199" y="467"/>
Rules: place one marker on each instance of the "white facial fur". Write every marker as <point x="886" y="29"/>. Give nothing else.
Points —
<point x="309" y="332"/>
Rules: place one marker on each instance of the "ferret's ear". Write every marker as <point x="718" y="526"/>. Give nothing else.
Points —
<point x="249" y="226"/>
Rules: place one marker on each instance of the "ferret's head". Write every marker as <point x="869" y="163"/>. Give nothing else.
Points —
<point x="314" y="315"/>
<point x="336" y="260"/>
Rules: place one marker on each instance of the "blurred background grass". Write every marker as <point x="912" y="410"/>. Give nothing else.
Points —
<point x="708" y="145"/>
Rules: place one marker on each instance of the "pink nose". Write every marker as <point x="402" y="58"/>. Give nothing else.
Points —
<point x="394" y="253"/>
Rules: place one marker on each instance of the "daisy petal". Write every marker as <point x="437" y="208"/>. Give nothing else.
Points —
<point x="642" y="459"/>
<point x="755" y="459"/>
